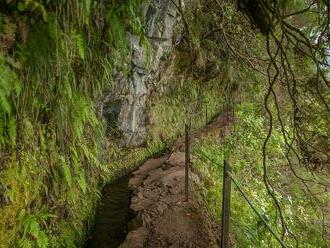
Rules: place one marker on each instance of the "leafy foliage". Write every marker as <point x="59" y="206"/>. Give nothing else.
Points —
<point x="57" y="57"/>
<point x="245" y="145"/>
<point x="9" y="86"/>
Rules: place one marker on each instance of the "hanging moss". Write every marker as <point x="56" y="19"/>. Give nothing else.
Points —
<point x="49" y="129"/>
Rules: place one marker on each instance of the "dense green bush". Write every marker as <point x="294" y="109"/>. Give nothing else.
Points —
<point x="243" y="149"/>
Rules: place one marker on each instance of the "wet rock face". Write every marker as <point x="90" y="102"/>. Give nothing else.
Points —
<point x="130" y="112"/>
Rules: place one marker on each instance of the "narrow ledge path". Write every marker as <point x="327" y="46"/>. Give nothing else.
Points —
<point x="162" y="217"/>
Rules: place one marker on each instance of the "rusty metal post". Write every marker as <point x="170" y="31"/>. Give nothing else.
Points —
<point x="187" y="157"/>
<point x="225" y="205"/>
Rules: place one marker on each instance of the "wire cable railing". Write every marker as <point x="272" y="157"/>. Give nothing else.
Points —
<point x="228" y="174"/>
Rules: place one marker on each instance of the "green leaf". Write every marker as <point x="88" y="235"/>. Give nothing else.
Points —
<point x="34" y="228"/>
<point x="4" y="104"/>
<point x="12" y="129"/>
<point x="10" y="194"/>
<point x="17" y="87"/>
<point x="82" y="182"/>
<point x="68" y="89"/>
<point x="80" y="43"/>
<point x="66" y="172"/>
<point x="42" y="240"/>
<point x="87" y="10"/>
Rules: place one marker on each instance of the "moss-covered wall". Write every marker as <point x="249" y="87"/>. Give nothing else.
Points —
<point x="53" y="66"/>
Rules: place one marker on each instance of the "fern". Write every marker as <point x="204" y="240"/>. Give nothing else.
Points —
<point x="66" y="172"/>
<point x="4" y="104"/>
<point x="80" y="44"/>
<point x="25" y="243"/>
<point x="31" y="228"/>
<point x="87" y="10"/>
<point x="9" y="86"/>
<point x="7" y="81"/>
<point x="117" y="32"/>
<point x="10" y="194"/>
<point x="62" y="74"/>
<point x="12" y="129"/>
<point x="82" y="182"/>
<point x="67" y="89"/>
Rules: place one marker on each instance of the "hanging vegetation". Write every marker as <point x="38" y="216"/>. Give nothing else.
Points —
<point x="266" y="61"/>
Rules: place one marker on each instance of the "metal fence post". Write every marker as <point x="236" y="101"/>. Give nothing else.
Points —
<point x="187" y="158"/>
<point x="225" y="205"/>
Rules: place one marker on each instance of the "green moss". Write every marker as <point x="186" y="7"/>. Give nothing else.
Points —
<point x="54" y="165"/>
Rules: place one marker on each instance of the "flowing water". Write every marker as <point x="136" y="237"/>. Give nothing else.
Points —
<point x="111" y="216"/>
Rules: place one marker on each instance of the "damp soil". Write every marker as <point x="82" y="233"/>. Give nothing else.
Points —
<point x="112" y="216"/>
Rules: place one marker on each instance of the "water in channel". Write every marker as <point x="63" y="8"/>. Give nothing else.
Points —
<point x="111" y="216"/>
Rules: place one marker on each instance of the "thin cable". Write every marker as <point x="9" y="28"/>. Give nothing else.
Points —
<point x="246" y="198"/>
<point x="257" y="213"/>
<point x="208" y="158"/>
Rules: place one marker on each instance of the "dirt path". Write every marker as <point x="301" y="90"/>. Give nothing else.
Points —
<point x="163" y="219"/>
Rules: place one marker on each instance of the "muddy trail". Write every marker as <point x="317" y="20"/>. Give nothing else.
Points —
<point x="157" y="215"/>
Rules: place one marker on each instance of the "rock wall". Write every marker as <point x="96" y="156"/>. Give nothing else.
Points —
<point x="126" y="108"/>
